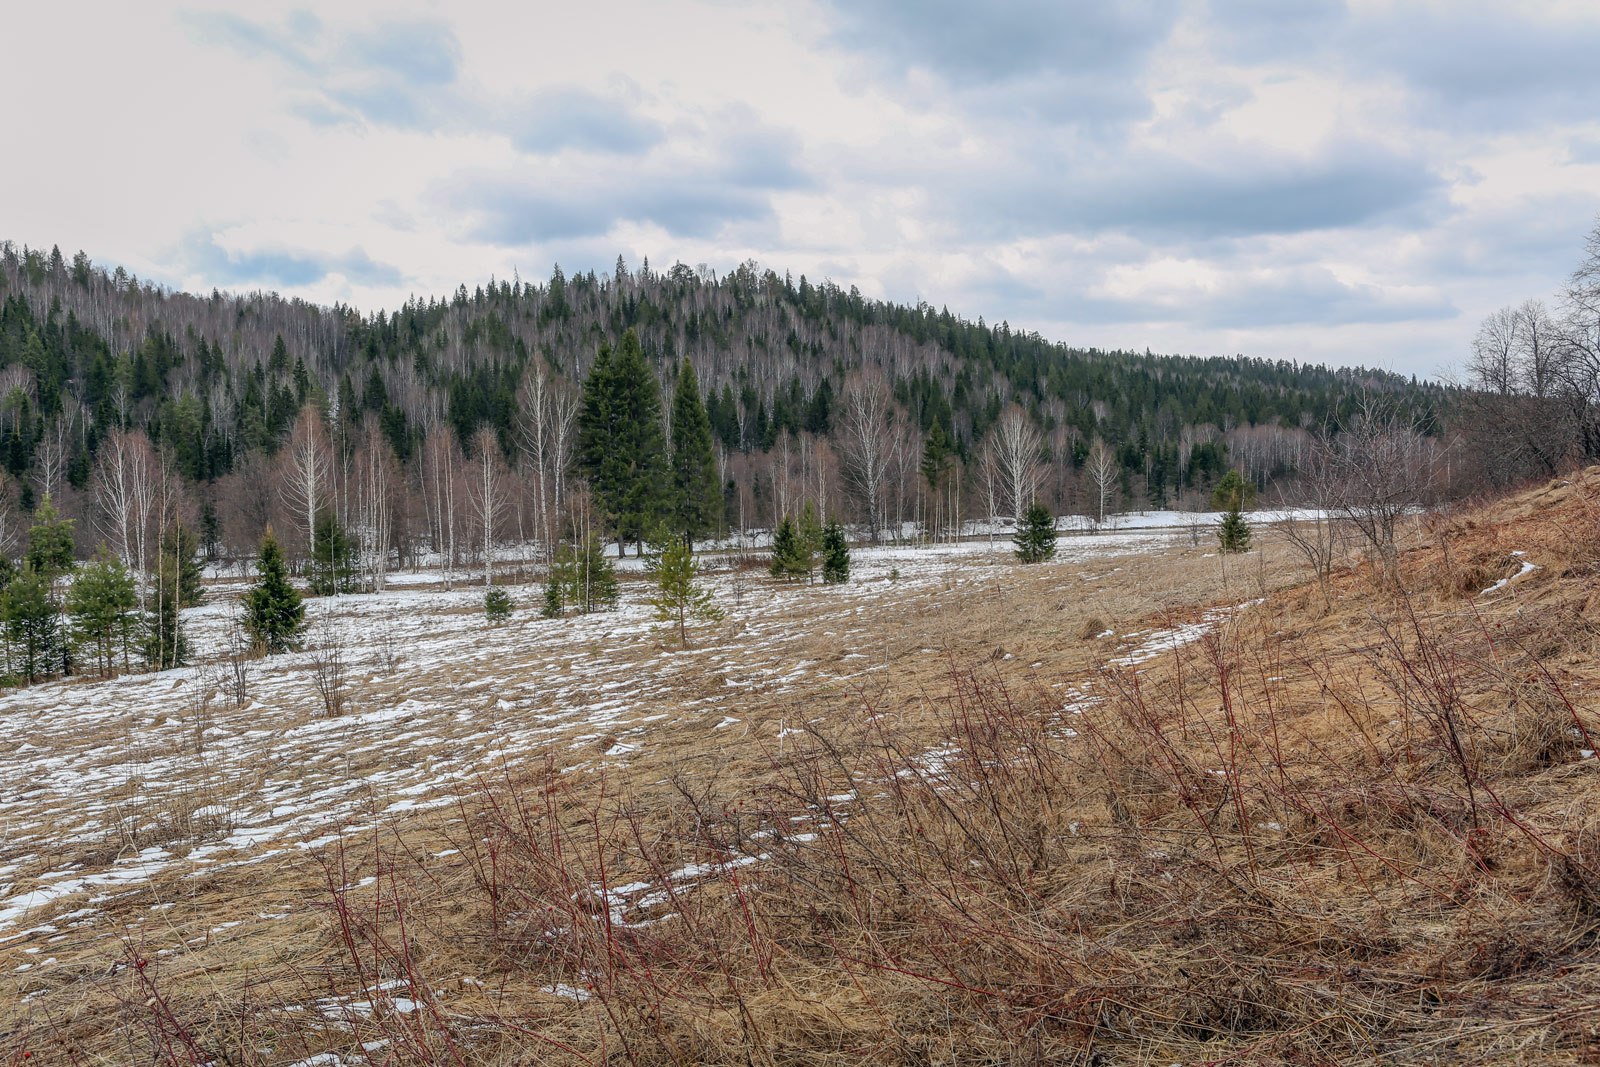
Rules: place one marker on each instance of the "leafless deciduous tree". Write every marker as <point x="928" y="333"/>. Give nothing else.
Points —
<point x="125" y="483"/>
<point x="307" y="462"/>
<point x="377" y="479"/>
<point x="549" y="418"/>
<point x="1015" y="449"/>
<point x="867" y="442"/>
<point x="1316" y="536"/>
<point x="55" y="449"/>
<point x="1101" y="466"/>
<point x="439" y="473"/>
<point x="1538" y="409"/>
<point x="1382" y="466"/>
<point x="487" y="494"/>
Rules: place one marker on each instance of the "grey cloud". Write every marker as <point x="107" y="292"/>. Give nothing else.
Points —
<point x="570" y="117"/>
<point x="201" y="254"/>
<point x="1170" y="197"/>
<point x="1064" y="64"/>
<point x="420" y="52"/>
<point x="1294" y="296"/>
<point x="395" y="73"/>
<point x="504" y="210"/>
<point x="978" y="43"/>
<point x="1312" y="296"/>
<point x="1525" y="238"/>
<point x="1483" y="63"/>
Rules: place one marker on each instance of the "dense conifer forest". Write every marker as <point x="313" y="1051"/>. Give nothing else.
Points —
<point x="464" y="413"/>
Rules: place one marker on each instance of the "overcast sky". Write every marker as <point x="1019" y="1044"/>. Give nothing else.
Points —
<point x="1303" y="179"/>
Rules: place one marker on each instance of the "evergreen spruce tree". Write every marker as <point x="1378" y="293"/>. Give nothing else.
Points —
<point x="333" y="558"/>
<point x="790" y="557"/>
<point x="620" y="444"/>
<point x="32" y="622"/>
<point x="497" y="604"/>
<point x="1233" y="532"/>
<point x="587" y="577"/>
<point x="678" y="598"/>
<point x="810" y="538"/>
<point x="696" y="498"/>
<point x="179" y="547"/>
<point x="1036" y="536"/>
<point x="552" y="597"/>
<point x="49" y="549"/>
<point x="835" y="554"/>
<point x="274" y="613"/>
<point x="102" y="606"/>
<point x="1232" y="495"/>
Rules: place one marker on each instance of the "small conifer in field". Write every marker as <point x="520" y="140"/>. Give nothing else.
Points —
<point x="274" y="613"/>
<point x="1036" y="537"/>
<point x="552" y="597"/>
<point x="835" y="555"/>
<point x="1233" y="532"/>
<point x="497" y="604"/>
<point x="791" y="556"/>
<point x="678" y="597"/>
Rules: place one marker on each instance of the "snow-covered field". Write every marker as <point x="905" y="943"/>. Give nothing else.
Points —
<point x="108" y="784"/>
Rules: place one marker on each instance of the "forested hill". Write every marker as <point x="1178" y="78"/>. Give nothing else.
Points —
<point x="216" y="379"/>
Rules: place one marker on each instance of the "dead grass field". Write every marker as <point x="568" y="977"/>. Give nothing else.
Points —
<point x="1117" y="809"/>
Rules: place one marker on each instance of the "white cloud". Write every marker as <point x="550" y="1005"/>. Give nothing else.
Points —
<point x="1308" y="181"/>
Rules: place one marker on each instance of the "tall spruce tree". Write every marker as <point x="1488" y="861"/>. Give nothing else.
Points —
<point x="835" y="554"/>
<point x="49" y="541"/>
<point x="696" y="497"/>
<point x="32" y="622"/>
<point x="791" y="558"/>
<point x="1036" y="536"/>
<point x="274" y="614"/>
<point x="620" y="443"/>
<point x="102" y="605"/>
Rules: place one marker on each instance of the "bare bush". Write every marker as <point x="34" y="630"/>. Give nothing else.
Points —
<point x="328" y="669"/>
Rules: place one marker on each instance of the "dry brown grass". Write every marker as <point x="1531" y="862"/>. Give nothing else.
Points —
<point x="1315" y="835"/>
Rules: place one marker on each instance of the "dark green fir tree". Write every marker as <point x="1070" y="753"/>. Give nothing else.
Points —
<point x="620" y="444"/>
<point x="32" y="620"/>
<point x="103" y="608"/>
<point x="1233" y="532"/>
<point x="835" y="554"/>
<point x="497" y="605"/>
<point x="274" y="613"/>
<point x="696" y="497"/>
<point x="791" y="558"/>
<point x="1036" y="537"/>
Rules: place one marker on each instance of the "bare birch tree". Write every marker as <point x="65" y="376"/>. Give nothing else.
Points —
<point x="125" y="496"/>
<point x="867" y="439"/>
<point x="549" y="417"/>
<point x="1015" y="447"/>
<point x="306" y="471"/>
<point x="439" y="462"/>
<point x="1101" y="467"/>
<point x="378" y="477"/>
<point x="487" y="493"/>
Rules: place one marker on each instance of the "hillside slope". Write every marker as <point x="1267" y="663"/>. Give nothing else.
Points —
<point x="1130" y="809"/>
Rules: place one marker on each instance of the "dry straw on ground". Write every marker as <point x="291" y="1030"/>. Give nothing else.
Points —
<point x="1245" y="826"/>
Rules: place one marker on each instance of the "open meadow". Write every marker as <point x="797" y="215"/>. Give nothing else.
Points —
<point x="1139" y="804"/>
